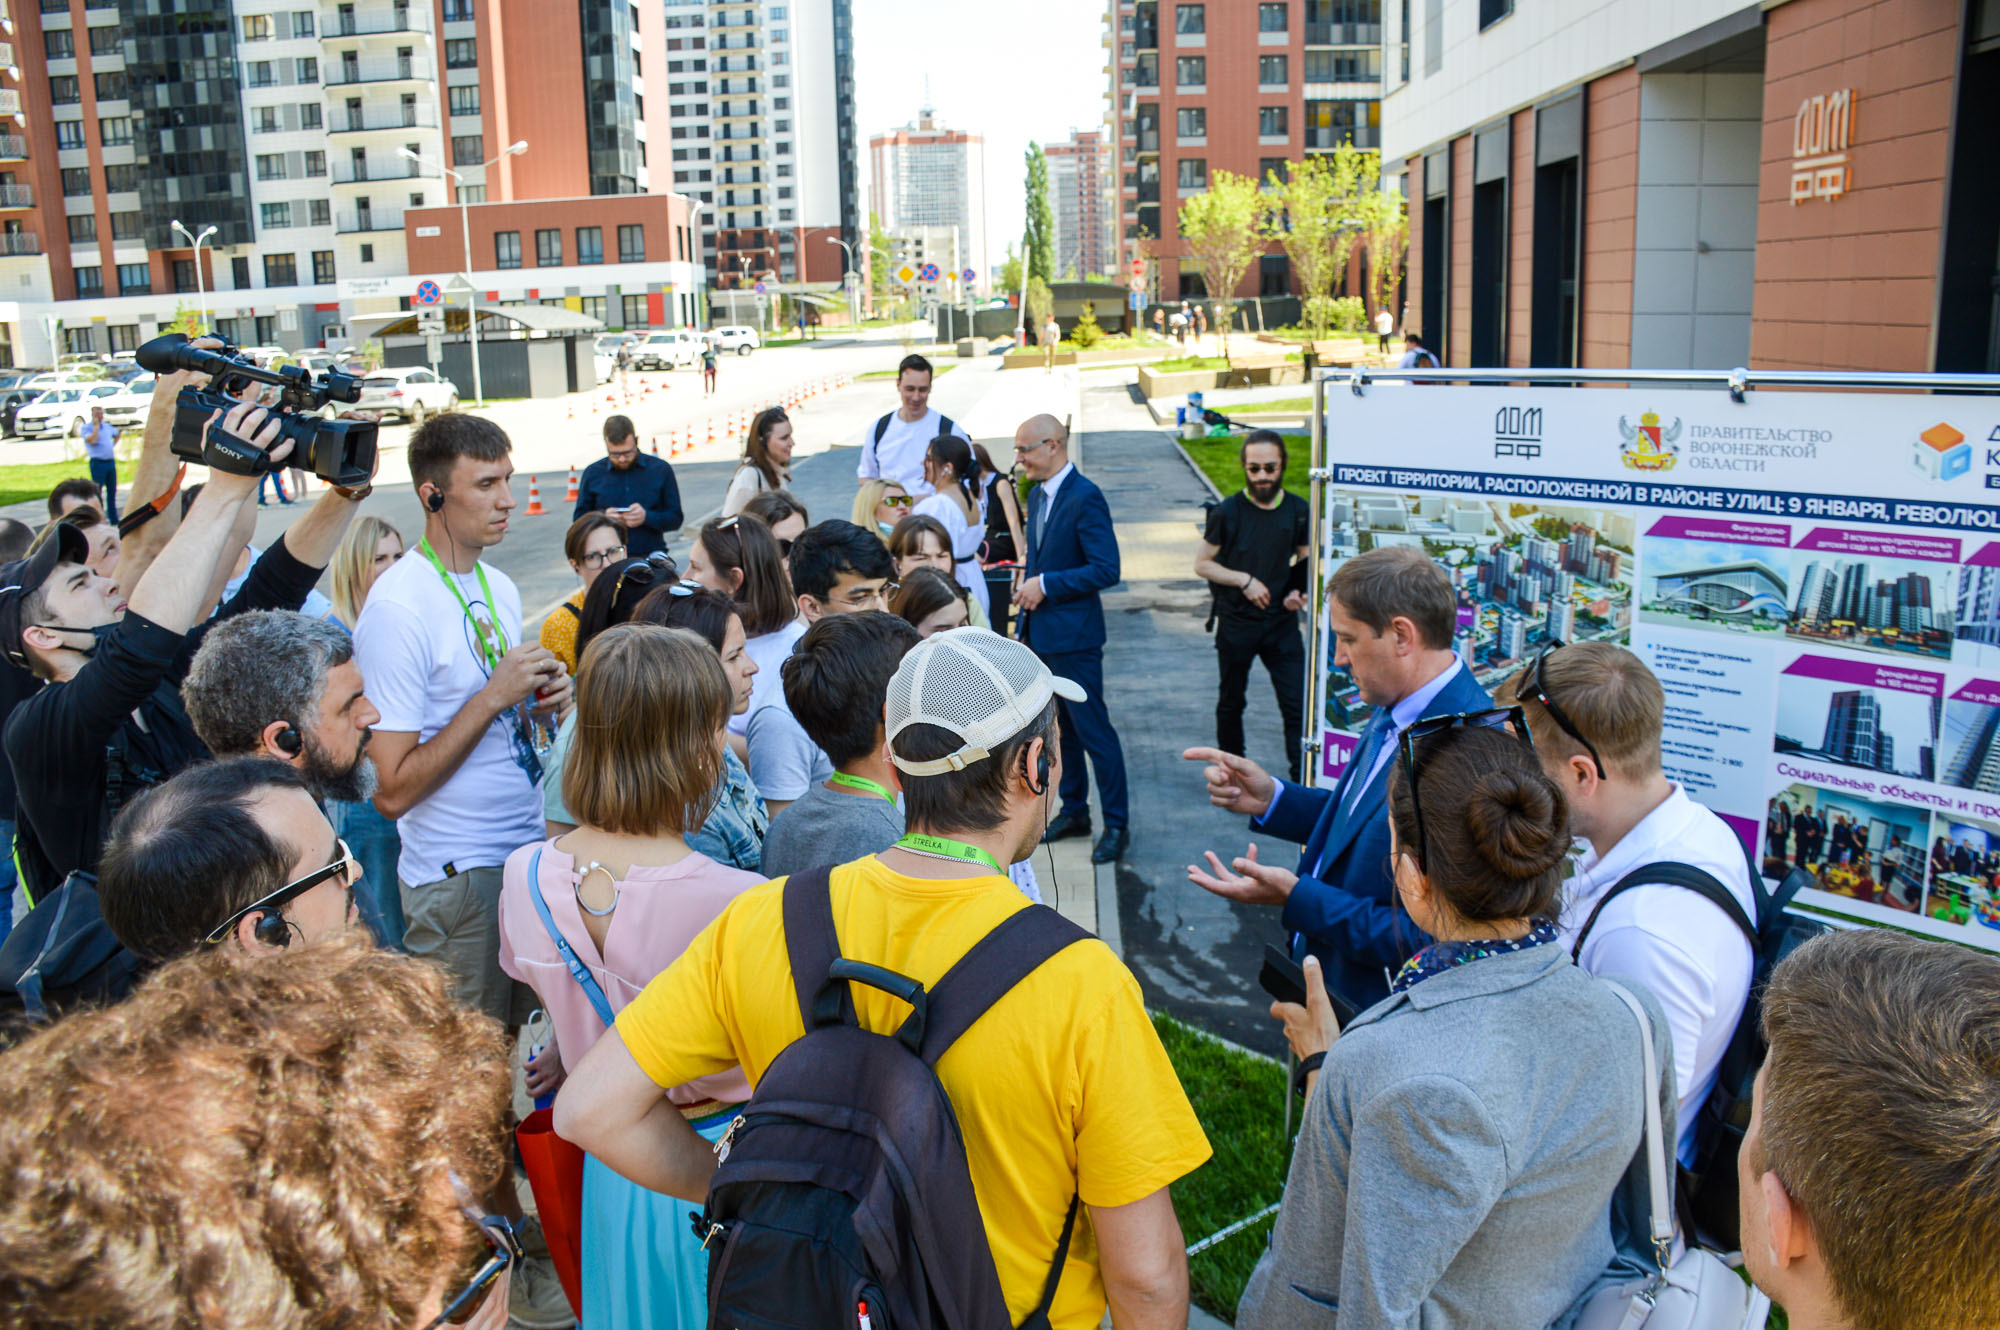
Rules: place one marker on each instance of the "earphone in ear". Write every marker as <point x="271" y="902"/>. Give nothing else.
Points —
<point x="434" y="501"/>
<point x="288" y="741"/>
<point x="273" y="930"/>
<point x="1038" y="784"/>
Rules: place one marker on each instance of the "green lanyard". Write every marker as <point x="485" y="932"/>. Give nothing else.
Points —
<point x="491" y="648"/>
<point x="942" y="848"/>
<point x="863" y="784"/>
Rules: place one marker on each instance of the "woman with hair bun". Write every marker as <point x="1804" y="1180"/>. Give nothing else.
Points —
<point x="1462" y="1138"/>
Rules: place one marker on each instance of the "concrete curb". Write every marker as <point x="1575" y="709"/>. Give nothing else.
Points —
<point x="1199" y="474"/>
<point x="1201" y="1320"/>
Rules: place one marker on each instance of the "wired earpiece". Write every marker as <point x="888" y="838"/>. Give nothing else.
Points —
<point x="273" y="930"/>
<point x="434" y="501"/>
<point x="288" y="741"/>
<point x="1038" y="784"/>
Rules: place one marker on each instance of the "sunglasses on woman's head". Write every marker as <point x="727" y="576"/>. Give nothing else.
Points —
<point x="1511" y="719"/>
<point x="655" y="567"/>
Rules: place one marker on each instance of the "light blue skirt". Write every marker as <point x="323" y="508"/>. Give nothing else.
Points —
<point x="642" y="1265"/>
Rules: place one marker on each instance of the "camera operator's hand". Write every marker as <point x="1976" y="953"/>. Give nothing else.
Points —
<point x="520" y="672"/>
<point x="254" y="427"/>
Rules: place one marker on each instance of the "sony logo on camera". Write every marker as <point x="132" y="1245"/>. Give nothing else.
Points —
<point x="1517" y="432"/>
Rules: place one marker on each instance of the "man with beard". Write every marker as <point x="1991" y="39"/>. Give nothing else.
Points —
<point x="1254" y="553"/>
<point x="284" y="686"/>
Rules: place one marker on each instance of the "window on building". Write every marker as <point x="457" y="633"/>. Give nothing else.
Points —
<point x="267" y="330"/>
<point x="1191" y="19"/>
<point x="634" y="310"/>
<point x="261" y="75"/>
<point x="104" y="41"/>
<point x="1273" y="71"/>
<point x="1274" y="121"/>
<point x="257" y="27"/>
<point x="89" y="281"/>
<point x="273" y="215"/>
<point x="368" y="253"/>
<point x="184" y="275"/>
<point x="76" y="180"/>
<point x="121" y="178"/>
<point x="461" y="53"/>
<point x="58" y="44"/>
<point x="465" y="99"/>
<point x="1269" y="168"/>
<point x="631" y="244"/>
<point x="270" y="166"/>
<point x="115" y="132"/>
<point x="239" y="272"/>
<point x="1274" y="275"/>
<point x="590" y="244"/>
<point x="134" y="279"/>
<point x="1191" y="71"/>
<point x="280" y="270"/>
<point x="302" y="23"/>
<point x="1273" y="17"/>
<point x="322" y="267"/>
<point x="1191" y="122"/>
<point x="82" y="226"/>
<point x="548" y="247"/>
<point x="308" y="69"/>
<point x="506" y="249"/>
<point x="315" y="163"/>
<point x="309" y="115"/>
<point x="1492" y="11"/>
<point x="1194" y="173"/>
<point x="470" y="194"/>
<point x="320" y="212"/>
<point x="592" y="306"/>
<point x="65" y="90"/>
<point x="467" y="150"/>
<point x="69" y="133"/>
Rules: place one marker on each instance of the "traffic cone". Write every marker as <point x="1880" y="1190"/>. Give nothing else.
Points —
<point x="711" y="430"/>
<point x="535" y="508"/>
<point x="571" y="496"/>
<point x="656" y="445"/>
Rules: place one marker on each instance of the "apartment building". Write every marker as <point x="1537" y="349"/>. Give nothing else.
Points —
<point x="761" y="129"/>
<point x="307" y="149"/>
<point x="1799" y="184"/>
<point x="926" y="178"/>
<point x="1083" y="197"/>
<point x="1237" y="85"/>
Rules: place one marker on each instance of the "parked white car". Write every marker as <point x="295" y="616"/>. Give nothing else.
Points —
<point x="738" y="337"/>
<point x="66" y="410"/>
<point x="411" y="392"/>
<point x="670" y="348"/>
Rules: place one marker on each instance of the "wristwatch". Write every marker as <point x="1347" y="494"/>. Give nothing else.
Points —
<point x="356" y="493"/>
<point x="1307" y="1066"/>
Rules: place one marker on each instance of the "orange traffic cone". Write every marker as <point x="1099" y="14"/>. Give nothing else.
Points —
<point x="571" y="496"/>
<point x="656" y="445"/>
<point x="711" y="430"/>
<point x="535" y="508"/>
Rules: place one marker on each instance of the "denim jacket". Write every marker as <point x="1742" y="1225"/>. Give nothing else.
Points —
<point x="734" y="831"/>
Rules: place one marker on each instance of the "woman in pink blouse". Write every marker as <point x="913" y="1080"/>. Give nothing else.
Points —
<point x="588" y="917"/>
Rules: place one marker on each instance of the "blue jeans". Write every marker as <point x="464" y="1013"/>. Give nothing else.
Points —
<point x="9" y="877"/>
<point x="104" y="473"/>
<point x="376" y="845"/>
<point x="274" y="478"/>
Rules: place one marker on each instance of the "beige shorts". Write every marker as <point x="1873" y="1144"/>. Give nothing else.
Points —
<point x="456" y="923"/>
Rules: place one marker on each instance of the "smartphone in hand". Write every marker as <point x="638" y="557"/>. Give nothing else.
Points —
<point x="1285" y="979"/>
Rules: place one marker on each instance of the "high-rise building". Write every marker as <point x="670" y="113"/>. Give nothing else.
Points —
<point x="1854" y="732"/>
<point x="1976" y="764"/>
<point x="928" y="177"/>
<point x="1511" y="637"/>
<point x="1582" y="544"/>
<point x="1081" y="194"/>
<point x="1237" y="85"/>
<point x="1562" y="621"/>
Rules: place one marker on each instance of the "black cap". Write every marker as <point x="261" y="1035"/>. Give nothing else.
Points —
<point x="23" y="577"/>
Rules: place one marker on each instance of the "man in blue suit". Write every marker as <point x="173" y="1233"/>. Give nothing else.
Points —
<point x="1072" y="555"/>
<point x="1392" y="613"/>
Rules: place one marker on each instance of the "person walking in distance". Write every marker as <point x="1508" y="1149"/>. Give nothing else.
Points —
<point x="100" y="442"/>
<point x="709" y="361"/>
<point x="1051" y="334"/>
<point x="893" y="448"/>
<point x="634" y="490"/>
<point x="1254" y="554"/>
<point x="1072" y="558"/>
<point x="1392" y="613"/>
<point x="624" y="367"/>
<point x="1385" y="325"/>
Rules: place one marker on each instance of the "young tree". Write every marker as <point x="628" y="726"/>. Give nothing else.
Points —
<point x="1010" y="273"/>
<point x="1222" y="229"/>
<point x="1040" y="243"/>
<point x="1385" y="215"/>
<point x="1318" y="219"/>
<point x="187" y="322"/>
<point x="1040" y="302"/>
<point x="879" y="261"/>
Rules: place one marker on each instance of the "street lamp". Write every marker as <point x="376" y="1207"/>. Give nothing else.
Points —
<point x="694" y="207"/>
<point x="847" y="277"/>
<point x="201" y="296"/>
<point x="465" y="234"/>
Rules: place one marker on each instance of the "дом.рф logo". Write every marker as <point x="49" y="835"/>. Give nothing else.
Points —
<point x="1941" y="453"/>
<point x="1650" y="447"/>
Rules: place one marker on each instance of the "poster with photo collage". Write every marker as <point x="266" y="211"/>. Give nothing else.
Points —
<point x="1814" y="577"/>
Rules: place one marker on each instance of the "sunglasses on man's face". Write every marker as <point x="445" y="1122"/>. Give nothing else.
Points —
<point x="1262" y="468"/>
<point x="1421" y="736"/>
<point x="342" y="868"/>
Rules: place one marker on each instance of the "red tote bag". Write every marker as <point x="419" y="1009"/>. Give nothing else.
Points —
<point x="555" y="1171"/>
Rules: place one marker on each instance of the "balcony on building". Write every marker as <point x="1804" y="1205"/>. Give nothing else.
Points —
<point x="20" y="243"/>
<point x="17" y="196"/>
<point x="356" y="221"/>
<point x="378" y="21"/>
<point x="342" y="120"/>
<point x="387" y="169"/>
<point x="1146" y="28"/>
<point x="13" y="147"/>
<point x="349" y="72"/>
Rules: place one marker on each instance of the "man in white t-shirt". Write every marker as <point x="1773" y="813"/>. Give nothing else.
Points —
<point x="893" y="446"/>
<point x="467" y="705"/>
<point x="1595" y="711"/>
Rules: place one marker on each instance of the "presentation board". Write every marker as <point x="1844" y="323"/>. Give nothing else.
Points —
<point x="1813" y="575"/>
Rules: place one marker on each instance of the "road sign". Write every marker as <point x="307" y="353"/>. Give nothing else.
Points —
<point x="906" y="274"/>
<point x="428" y="293"/>
<point x="1138" y="300"/>
<point x="430" y="321"/>
<point x="929" y="272"/>
<point x="760" y="288"/>
<point x="969" y="276"/>
<point x="1138" y="267"/>
<point x="458" y="286"/>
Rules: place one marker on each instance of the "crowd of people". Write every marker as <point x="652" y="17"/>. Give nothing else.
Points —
<point x="301" y="877"/>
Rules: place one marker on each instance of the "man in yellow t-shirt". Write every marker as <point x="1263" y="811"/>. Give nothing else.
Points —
<point x="1061" y="1089"/>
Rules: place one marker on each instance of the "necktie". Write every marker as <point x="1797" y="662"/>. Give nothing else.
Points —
<point x="1381" y="730"/>
<point x="1038" y="511"/>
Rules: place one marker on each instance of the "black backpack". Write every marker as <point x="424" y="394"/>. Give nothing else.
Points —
<point x="1707" y="1192"/>
<point x="844" y="1181"/>
<point x="64" y="956"/>
<point x="882" y="428"/>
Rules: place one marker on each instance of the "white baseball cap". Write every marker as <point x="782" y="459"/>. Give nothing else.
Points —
<point x="974" y="683"/>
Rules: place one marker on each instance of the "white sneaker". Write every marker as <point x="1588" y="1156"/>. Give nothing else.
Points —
<point x="535" y="1299"/>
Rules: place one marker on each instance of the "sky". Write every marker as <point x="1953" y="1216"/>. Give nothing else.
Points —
<point x="1010" y="72"/>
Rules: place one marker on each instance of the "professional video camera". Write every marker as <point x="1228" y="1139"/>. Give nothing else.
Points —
<point x="340" y="452"/>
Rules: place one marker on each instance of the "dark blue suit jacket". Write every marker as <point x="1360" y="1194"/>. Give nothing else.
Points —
<point x="1077" y="558"/>
<point x="1348" y="912"/>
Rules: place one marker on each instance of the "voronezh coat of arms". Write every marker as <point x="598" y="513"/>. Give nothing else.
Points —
<point x="1650" y="447"/>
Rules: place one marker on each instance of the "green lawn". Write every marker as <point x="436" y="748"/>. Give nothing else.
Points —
<point x="1220" y="460"/>
<point x="1239" y="1098"/>
<point x="940" y="369"/>
<point x="1300" y="404"/>
<point x="18" y="484"/>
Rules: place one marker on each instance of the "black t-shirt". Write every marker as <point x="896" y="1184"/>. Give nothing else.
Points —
<point x="1258" y="541"/>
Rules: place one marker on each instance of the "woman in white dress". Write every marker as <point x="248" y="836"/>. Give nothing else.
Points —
<point x="958" y="507"/>
<point x="767" y="460"/>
